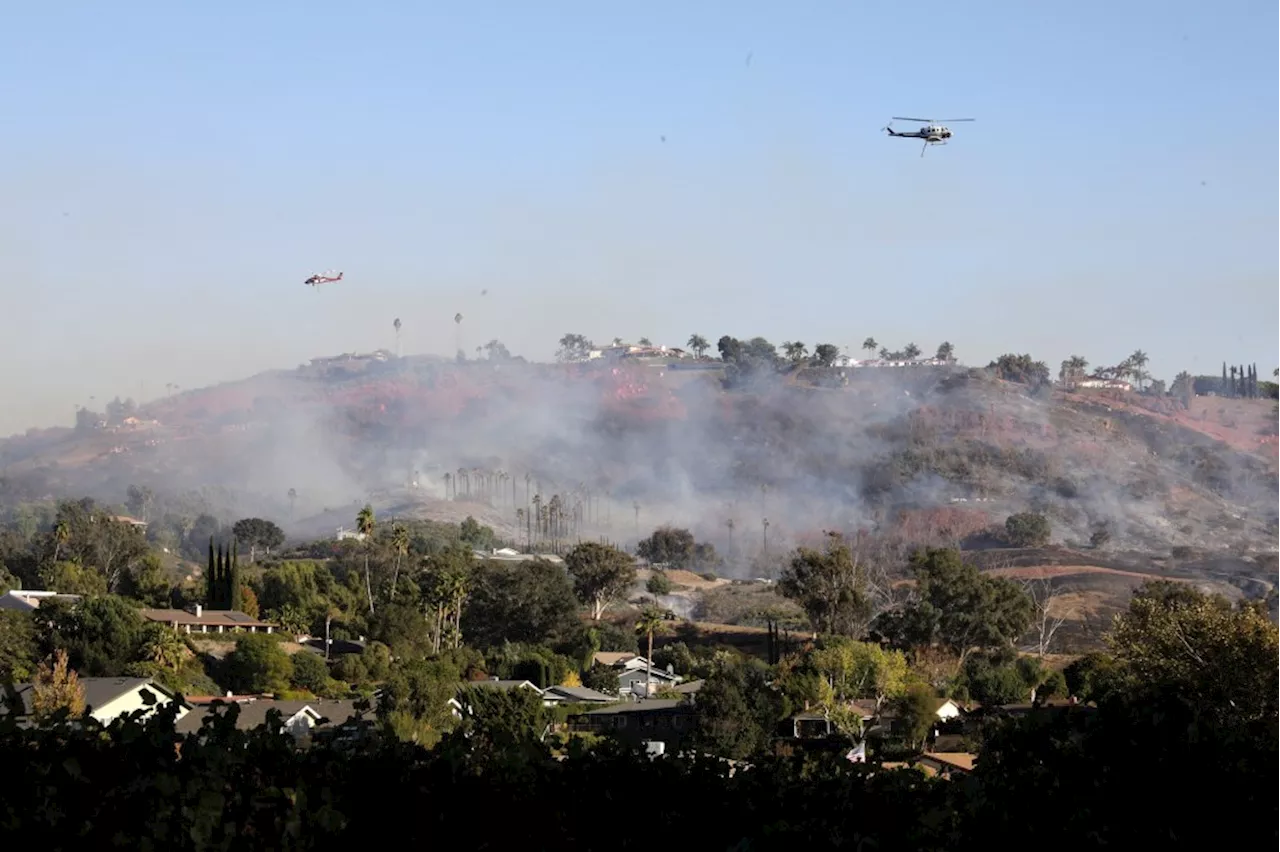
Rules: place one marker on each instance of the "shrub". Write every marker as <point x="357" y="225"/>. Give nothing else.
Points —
<point x="658" y="584"/>
<point x="1027" y="529"/>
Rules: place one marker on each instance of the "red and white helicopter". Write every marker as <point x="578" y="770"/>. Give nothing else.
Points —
<point x="327" y="278"/>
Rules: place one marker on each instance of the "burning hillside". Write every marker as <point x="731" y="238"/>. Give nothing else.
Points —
<point x="639" y="446"/>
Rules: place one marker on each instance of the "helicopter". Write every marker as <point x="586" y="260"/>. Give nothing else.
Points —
<point x="933" y="133"/>
<point x="327" y="278"/>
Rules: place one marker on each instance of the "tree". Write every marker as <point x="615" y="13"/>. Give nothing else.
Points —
<point x="19" y="648"/>
<point x="310" y="672"/>
<point x="825" y="354"/>
<point x="257" y="533"/>
<point x="870" y="345"/>
<point x="698" y="344"/>
<point x="854" y="670"/>
<point x="258" y="665"/>
<point x="56" y="688"/>
<point x="795" y="351"/>
<point x="140" y="499"/>
<point x="911" y="351"/>
<point x="1021" y="369"/>
<point x="658" y="584"/>
<point x="651" y="621"/>
<point x="1215" y="655"/>
<point x="601" y="574"/>
<point x="364" y="525"/>
<point x="234" y="580"/>
<point x="530" y="602"/>
<point x="831" y="586"/>
<point x="445" y="583"/>
<point x="1046" y="618"/>
<point x="400" y="546"/>
<point x="163" y="647"/>
<point x="574" y="347"/>
<point x="737" y="710"/>
<point x="946" y="352"/>
<point x="668" y="546"/>
<point x="601" y="679"/>
<point x="1137" y="361"/>
<point x="1027" y="529"/>
<point x="956" y="607"/>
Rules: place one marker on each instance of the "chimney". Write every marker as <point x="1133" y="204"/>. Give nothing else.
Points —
<point x="199" y="610"/>
<point x="494" y="677"/>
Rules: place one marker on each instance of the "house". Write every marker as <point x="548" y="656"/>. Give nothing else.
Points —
<point x="507" y="554"/>
<point x="298" y="718"/>
<point x="641" y="681"/>
<point x="344" y="534"/>
<point x="1100" y="383"/>
<point x="947" y="763"/>
<point x="948" y="710"/>
<point x="633" y="673"/>
<point x="646" y="720"/>
<point x="133" y="522"/>
<point x="26" y="600"/>
<point x="554" y="695"/>
<point x="208" y="620"/>
<point x="109" y="698"/>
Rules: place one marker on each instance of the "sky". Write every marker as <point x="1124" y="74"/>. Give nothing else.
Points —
<point x="174" y="171"/>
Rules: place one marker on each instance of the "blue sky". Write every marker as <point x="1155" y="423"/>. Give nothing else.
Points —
<point x="172" y="174"/>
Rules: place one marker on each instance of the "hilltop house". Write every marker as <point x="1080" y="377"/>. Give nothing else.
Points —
<point x="208" y="620"/>
<point x="108" y="698"/>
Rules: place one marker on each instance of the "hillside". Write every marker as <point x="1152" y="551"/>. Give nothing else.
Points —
<point x="926" y="454"/>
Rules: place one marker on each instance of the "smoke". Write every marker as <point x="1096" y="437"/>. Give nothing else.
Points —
<point x="629" y="448"/>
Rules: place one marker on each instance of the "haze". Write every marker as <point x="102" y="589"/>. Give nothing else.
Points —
<point x="173" y="175"/>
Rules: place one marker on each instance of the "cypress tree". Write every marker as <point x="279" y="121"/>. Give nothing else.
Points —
<point x="223" y="570"/>
<point x="1243" y="384"/>
<point x="211" y="579"/>
<point x="1226" y="388"/>
<point x="233" y="580"/>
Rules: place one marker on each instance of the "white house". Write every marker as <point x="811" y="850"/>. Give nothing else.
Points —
<point x="108" y="698"/>
<point x="554" y="695"/>
<point x="26" y="600"/>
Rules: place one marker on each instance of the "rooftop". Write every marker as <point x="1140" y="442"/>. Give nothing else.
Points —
<point x="212" y="617"/>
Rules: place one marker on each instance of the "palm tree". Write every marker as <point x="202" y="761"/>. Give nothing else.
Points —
<point x="698" y="344"/>
<point x="730" y="524"/>
<point x="61" y="535"/>
<point x="400" y="544"/>
<point x="448" y="478"/>
<point x="293" y="496"/>
<point x="795" y="350"/>
<point x="650" y="622"/>
<point x="870" y="345"/>
<point x="164" y="647"/>
<point x="364" y="525"/>
<point x="1138" y="360"/>
<point x="911" y="351"/>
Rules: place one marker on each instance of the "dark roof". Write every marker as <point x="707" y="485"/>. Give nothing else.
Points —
<point x="495" y="683"/>
<point x="646" y="705"/>
<point x="98" y="691"/>
<point x="210" y="617"/>
<point x="254" y="713"/>
<point x="580" y="693"/>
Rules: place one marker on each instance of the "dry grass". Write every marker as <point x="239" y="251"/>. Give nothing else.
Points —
<point x="1046" y="572"/>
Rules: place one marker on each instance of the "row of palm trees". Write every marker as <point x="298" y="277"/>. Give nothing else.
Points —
<point x="1075" y="368"/>
<point x="795" y="351"/>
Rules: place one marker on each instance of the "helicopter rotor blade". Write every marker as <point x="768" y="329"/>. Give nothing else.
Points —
<point x="949" y="120"/>
<point x="900" y="118"/>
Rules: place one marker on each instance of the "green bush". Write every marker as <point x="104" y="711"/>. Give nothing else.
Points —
<point x="658" y="584"/>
